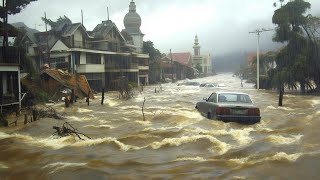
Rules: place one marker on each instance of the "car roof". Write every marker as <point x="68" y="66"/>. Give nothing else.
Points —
<point x="228" y="92"/>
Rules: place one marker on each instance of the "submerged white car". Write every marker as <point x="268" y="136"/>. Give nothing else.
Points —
<point x="230" y="107"/>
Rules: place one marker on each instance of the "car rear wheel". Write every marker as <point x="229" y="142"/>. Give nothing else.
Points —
<point x="209" y="115"/>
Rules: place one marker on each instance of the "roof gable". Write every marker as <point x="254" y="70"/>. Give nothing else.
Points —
<point x="71" y="29"/>
<point x="182" y="58"/>
<point x="106" y="28"/>
<point x="59" y="46"/>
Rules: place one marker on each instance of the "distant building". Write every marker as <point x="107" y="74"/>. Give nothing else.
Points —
<point x="179" y="68"/>
<point x="201" y="62"/>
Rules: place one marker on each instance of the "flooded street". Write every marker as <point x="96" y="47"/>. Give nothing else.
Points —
<point x="175" y="141"/>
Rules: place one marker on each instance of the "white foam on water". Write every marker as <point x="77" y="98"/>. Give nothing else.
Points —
<point x="111" y="103"/>
<point x="144" y="123"/>
<point x="314" y="102"/>
<point x="239" y="161"/>
<point x="93" y="142"/>
<point x="280" y="156"/>
<point x="239" y="178"/>
<point x="219" y="146"/>
<point x="99" y="126"/>
<point x="82" y="110"/>
<point x="62" y="165"/>
<point x="242" y="136"/>
<point x="75" y="118"/>
<point x="278" y="139"/>
<point x="3" y="166"/>
<point x="4" y="135"/>
<point x="130" y="107"/>
<point x="53" y="142"/>
<point x="271" y="108"/>
<point x="279" y="108"/>
<point x="286" y="108"/>
<point x="164" y="129"/>
<point x="197" y="159"/>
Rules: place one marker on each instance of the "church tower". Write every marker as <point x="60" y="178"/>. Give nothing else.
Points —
<point x="132" y="23"/>
<point x="196" y="46"/>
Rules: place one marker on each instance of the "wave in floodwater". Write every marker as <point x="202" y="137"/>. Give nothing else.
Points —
<point x="173" y="141"/>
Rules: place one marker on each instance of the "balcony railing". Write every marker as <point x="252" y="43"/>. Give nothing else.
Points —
<point x="99" y="46"/>
<point x="10" y="55"/>
<point x="122" y="66"/>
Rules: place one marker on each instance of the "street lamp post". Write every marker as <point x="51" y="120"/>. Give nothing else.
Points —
<point x="258" y="32"/>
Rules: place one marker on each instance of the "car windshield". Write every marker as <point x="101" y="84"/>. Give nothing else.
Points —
<point x="234" y="98"/>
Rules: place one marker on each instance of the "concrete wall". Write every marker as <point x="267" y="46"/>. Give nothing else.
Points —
<point x="138" y="41"/>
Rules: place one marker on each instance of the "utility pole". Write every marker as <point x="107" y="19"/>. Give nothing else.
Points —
<point x="81" y="17"/>
<point x="48" y="50"/>
<point x="258" y="32"/>
<point x="171" y="65"/>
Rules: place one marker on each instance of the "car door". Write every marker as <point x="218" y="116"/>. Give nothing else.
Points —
<point x="210" y="105"/>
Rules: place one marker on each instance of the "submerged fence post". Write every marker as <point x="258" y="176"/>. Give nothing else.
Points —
<point x="88" y="98"/>
<point x="25" y="119"/>
<point x="72" y="96"/>
<point x="144" y="119"/>
<point x="102" y="99"/>
<point x="34" y="115"/>
<point x="66" y="101"/>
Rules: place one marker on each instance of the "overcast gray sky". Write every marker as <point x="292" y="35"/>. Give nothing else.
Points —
<point x="222" y="25"/>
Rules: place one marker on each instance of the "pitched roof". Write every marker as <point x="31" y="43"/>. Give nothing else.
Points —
<point x="81" y="85"/>
<point x="42" y="39"/>
<point x="71" y="29"/>
<point x="182" y="58"/>
<point x="105" y="27"/>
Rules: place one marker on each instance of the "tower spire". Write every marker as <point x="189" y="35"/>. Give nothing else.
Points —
<point x="132" y="7"/>
<point x="196" y="46"/>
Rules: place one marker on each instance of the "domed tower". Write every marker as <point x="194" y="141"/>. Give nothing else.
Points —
<point x="196" y="46"/>
<point x="132" y="23"/>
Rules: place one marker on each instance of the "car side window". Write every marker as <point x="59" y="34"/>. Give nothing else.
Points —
<point x="213" y="98"/>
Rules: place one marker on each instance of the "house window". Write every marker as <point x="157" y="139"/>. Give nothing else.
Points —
<point x="93" y="58"/>
<point x="77" y="58"/>
<point x="55" y="61"/>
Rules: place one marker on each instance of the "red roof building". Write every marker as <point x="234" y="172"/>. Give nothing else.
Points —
<point x="182" y="58"/>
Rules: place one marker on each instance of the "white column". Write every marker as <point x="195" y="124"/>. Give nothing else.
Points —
<point x="19" y="86"/>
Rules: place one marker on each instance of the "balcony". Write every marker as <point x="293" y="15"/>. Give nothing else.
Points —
<point x="122" y="66"/>
<point x="141" y="67"/>
<point x="99" y="46"/>
<point x="12" y="55"/>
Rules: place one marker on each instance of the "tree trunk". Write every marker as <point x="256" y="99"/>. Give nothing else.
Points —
<point x="303" y="87"/>
<point x="281" y="91"/>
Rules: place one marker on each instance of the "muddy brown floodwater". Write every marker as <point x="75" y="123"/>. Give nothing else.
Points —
<point x="175" y="141"/>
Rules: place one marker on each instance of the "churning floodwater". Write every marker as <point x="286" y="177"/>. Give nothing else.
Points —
<point x="175" y="141"/>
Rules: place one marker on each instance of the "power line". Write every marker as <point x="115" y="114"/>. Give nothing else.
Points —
<point x="258" y="32"/>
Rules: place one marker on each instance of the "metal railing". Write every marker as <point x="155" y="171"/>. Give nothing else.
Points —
<point x="100" y="46"/>
<point x="122" y="66"/>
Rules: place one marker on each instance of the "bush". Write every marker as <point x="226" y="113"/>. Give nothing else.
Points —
<point x="42" y="96"/>
<point x="125" y="88"/>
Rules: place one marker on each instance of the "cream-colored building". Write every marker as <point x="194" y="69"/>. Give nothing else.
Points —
<point x="203" y="62"/>
<point x="103" y="55"/>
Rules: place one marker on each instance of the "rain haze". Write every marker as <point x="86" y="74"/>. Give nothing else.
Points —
<point x="222" y="26"/>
